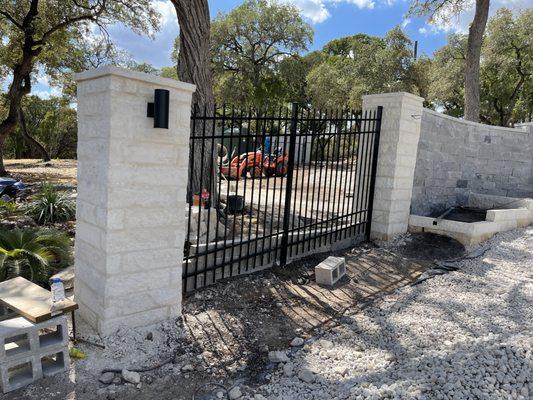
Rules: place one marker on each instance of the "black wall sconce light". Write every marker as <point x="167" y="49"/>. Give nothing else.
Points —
<point x="158" y="110"/>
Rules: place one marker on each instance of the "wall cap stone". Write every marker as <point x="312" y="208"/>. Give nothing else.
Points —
<point x="138" y="76"/>
<point x="392" y="95"/>
<point x="462" y="121"/>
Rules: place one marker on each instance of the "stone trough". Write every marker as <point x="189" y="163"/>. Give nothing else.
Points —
<point x="502" y="214"/>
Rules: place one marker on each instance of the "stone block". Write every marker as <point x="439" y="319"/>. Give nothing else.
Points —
<point x="329" y="271"/>
<point x="20" y="372"/>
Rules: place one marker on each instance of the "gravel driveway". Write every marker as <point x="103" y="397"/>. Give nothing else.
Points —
<point x="463" y="335"/>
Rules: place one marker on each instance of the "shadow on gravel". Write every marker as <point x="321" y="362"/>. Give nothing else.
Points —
<point x="240" y="320"/>
<point x="230" y="327"/>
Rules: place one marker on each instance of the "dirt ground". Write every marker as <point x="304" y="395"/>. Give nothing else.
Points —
<point x="35" y="171"/>
<point x="229" y="328"/>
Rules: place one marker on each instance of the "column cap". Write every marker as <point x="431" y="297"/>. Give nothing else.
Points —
<point x="393" y="95"/>
<point x="134" y="75"/>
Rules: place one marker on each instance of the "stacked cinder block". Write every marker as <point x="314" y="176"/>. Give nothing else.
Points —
<point x="31" y="351"/>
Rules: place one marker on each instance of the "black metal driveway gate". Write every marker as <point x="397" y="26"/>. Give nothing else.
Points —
<point x="266" y="187"/>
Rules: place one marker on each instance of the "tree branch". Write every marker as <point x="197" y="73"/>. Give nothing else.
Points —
<point x="93" y="16"/>
<point x="12" y="20"/>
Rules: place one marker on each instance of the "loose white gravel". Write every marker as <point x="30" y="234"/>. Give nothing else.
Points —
<point x="463" y="335"/>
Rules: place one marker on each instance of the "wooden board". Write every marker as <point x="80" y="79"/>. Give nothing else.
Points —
<point x="30" y="300"/>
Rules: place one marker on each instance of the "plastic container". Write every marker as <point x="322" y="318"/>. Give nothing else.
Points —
<point x="58" y="290"/>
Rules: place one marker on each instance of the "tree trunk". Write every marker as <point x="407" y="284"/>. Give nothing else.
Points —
<point x="20" y="86"/>
<point x="194" y="66"/>
<point x="473" y="53"/>
<point x="30" y="139"/>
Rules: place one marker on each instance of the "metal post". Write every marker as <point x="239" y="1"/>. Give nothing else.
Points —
<point x="374" y="170"/>
<point x="288" y="185"/>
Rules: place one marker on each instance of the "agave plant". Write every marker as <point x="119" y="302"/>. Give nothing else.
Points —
<point x="51" y="206"/>
<point x="33" y="254"/>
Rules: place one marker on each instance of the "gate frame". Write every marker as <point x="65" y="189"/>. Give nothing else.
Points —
<point x="367" y="129"/>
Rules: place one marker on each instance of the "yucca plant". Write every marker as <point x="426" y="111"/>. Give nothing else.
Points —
<point x="50" y="205"/>
<point x="33" y="254"/>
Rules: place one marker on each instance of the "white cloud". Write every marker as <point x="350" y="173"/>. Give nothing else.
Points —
<point x="359" y="3"/>
<point x="42" y="78"/>
<point x="318" y="10"/>
<point x="167" y="11"/>
<point x="423" y="31"/>
<point x="46" y="93"/>
<point x="314" y="10"/>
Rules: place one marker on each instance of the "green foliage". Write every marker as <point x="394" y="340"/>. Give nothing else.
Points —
<point x="165" y="72"/>
<point x="169" y="72"/>
<point x="52" y="122"/>
<point x="248" y="46"/>
<point x="506" y="71"/>
<point x="65" y="36"/>
<point x="362" y="64"/>
<point x="446" y="76"/>
<point x="33" y="254"/>
<point x="507" y="68"/>
<point x="8" y="208"/>
<point x="50" y="205"/>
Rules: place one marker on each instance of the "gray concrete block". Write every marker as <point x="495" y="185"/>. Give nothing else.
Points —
<point x="17" y="338"/>
<point x="54" y="361"/>
<point x="329" y="271"/>
<point x="20" y="337"/>
<point x="17" y="373"/>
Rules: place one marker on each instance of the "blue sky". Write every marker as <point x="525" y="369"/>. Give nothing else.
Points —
<point x="330" y="19"/>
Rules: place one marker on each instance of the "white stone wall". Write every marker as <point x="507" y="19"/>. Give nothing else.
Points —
<point x="457" y="157"/>
<point x="132" y="183"/>
<point x="400" y="132"/>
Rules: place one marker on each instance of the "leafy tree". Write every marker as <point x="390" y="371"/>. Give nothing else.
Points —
<point x="169" y="72"/>
<point x="505" y="71"/>
<point x="51" y="122"/>
<point x="507" y="68"/>
<point x="446" y="89"/>
<point x="248" y="46"/>
<point x="443" y="9"/>
<point x="293" y="73"/>
<point x="362" y="64"/>
<point x="59" y="130"/>
<point x="39" y="34"/>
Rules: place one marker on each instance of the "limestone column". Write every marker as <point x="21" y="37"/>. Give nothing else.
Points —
<point x="132" y="181"/>
<point x="400" y="133"/>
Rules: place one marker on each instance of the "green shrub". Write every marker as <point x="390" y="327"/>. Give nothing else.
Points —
<point x="33" y="254"/>
<point x="8" y="208"/>
<point x="51" y="206"/>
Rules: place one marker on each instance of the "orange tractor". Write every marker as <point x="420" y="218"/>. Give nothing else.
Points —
<point x="253" y="163"/>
